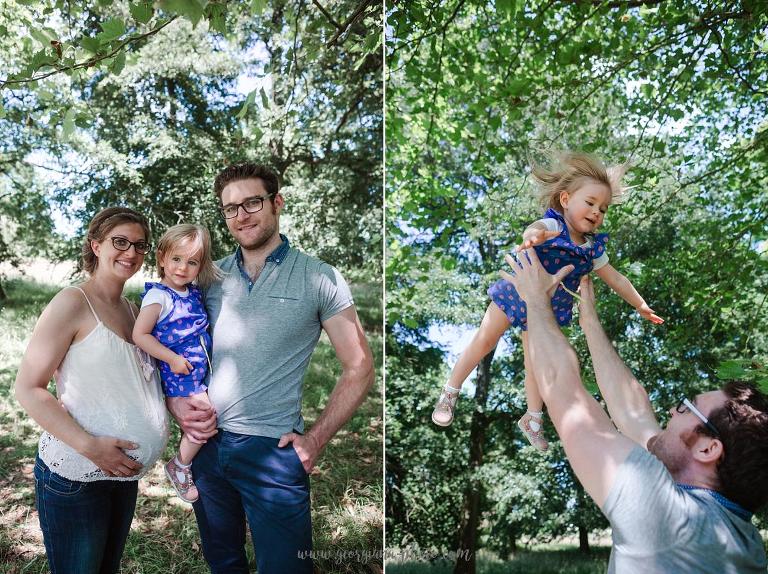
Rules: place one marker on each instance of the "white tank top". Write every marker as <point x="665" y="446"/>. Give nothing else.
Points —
<point x="101" y="384"/>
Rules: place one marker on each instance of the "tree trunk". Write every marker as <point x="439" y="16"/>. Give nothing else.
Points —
<point x="466" y="559"/>
<point x="3" y="296"/>
<point x="583" y="540"/>
<point x="581" y="509"/>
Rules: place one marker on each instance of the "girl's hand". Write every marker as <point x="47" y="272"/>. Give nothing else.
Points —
<point x="108" y="454"/>
<point x="647" y="313"/>
<point x="180" y="365"/>
<point x="536" y="237"/>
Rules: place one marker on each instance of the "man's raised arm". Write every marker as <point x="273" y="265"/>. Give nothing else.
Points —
<point x="593" y="446"/>
<point x="627" y="401"/>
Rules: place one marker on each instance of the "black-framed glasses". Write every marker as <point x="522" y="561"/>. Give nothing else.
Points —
<point x="685" y="405"/>
<point x="250" y="205"/>
<point x="122" y="244"/>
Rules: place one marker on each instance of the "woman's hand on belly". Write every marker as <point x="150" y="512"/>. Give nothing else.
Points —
<point x="108" y="454"/>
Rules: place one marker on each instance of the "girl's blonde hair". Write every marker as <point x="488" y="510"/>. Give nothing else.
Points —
<point x="567" y="173"/>
<point x="200" y="241"/>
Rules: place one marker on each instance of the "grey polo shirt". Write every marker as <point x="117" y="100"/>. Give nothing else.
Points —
<point x="264" y="333"/>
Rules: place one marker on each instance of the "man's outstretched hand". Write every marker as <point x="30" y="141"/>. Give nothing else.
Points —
<point x="530" y="279"/>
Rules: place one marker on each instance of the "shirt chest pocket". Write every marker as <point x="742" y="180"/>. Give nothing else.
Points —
<point x="291" y="309"/>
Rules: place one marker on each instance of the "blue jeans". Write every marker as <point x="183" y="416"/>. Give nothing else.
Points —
<point x="241" y="476"/>
<point x="84" y="524"/>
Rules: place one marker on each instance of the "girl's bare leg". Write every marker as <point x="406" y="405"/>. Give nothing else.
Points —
<point x="491" y="329"/>
<point x="487" y="336"/>
<point x="187" y="450"/>
<point x="531" y="422"/>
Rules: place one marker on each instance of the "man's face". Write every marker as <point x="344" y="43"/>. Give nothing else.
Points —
<point x="674" y="446"/>
<point x="252" y="230"/>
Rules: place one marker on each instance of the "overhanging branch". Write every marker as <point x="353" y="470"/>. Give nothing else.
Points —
<point x="89" y="63"/>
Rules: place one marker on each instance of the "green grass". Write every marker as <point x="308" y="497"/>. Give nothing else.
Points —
<point x="347" y="491"/>
<point x="544" y="560"/>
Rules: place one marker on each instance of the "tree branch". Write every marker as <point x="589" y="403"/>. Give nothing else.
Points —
<point x="349" y="21"/>
<point x="328" y="15"/>
<point x="91" y="61"/>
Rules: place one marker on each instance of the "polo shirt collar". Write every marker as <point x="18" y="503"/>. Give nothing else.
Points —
<point x="277" y="256"/>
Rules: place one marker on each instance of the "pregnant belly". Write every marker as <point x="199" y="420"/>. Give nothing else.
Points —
<point x="137" y="421"/>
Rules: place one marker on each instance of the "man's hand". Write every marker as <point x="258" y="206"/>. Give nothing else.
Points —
<point x="536" y="237"/>
<point x="306" y="446"/>
<point x="587" y="311"/>
<point x="530" y="279"/>
<point x="649" y="314"/>
<point x="195" y="416"/>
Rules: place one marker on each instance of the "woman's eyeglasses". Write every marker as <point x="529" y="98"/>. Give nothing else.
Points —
<point x="122" y="244"/>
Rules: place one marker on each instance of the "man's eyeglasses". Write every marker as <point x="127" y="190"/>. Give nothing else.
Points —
<point x="685" y="405"/>
<point x="250" y="205"/>
<point x="122" y="244"/>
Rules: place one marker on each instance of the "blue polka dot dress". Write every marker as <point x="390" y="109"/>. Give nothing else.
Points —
<point x="554" y="255"/>
<point x="181" y="331"/>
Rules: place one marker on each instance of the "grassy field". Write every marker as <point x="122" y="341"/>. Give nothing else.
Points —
<point x="347" y="491"/>
<point x="548" y="559"/>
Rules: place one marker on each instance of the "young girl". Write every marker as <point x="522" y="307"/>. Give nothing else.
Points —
<point x="172" y="327"/>
<point x="577" y="191"/>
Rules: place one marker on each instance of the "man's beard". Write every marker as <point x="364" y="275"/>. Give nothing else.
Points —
<point x="265" y="235"/>
<point x="675" y="459"/>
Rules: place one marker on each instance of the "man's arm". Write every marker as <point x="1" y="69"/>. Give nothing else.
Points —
<point x="348" y="339"/>
<point x="593" y="446"/>
<point x="627" y="401"/>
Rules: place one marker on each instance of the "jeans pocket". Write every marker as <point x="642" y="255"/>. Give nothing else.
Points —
<point x="297" y="459"/>
<point x="56" y="484"/>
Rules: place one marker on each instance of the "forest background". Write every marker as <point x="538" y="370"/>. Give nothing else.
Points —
<point x="141" y="104"/>
<point x="475" y="89"/>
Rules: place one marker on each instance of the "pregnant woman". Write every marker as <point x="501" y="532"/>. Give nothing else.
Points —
<point x="108" y="425"/>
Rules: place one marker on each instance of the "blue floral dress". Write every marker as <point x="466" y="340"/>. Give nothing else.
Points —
<point x="185" y="332"/>
<point x="554" y="255"/>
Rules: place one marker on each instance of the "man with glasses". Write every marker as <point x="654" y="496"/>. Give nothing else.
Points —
<point x="679" y="499"/>
<point x="266" y="316"/>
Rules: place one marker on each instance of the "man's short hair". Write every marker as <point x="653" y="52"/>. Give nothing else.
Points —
<point x="742" y="423"/>
<point x="243" y="171"/>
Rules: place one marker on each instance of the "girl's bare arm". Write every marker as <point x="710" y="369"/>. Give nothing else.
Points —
<point x="143" y="338"/>
<point x="624" y="288"/>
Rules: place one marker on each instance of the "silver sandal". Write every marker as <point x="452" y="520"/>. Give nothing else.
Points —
<point x="443" y="414"/>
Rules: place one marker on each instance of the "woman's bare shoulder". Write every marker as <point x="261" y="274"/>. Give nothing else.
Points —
<point x="68" y="305"/>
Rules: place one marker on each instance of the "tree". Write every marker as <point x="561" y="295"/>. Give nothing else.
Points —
<point x="475" y="89"/>
<point x="138" y="104"/>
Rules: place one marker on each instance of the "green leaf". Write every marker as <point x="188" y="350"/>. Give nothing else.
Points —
<point x="90" y="44"/>
<point x="69" y="123"/>
<point x="217" y="14"/>
<point x="142" y="12"/>
<point x="506" y="7"/>
<point x="250" y="99"/>
<point x="360" y="61"/>
<point x="41" y="37"/>
<point x="2" y="111"/>
<point x="733" y="369"/>
<point x="257" y="6"/>
<point x="192" y="10"/>
<point x="264" y="99"/>
<point x="112" y="29"/>
<point x="119" y="63"/>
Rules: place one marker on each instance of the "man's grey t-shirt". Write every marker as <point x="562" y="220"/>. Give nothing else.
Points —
<point x="263" y="339"/>
<point x="660" y="527"/>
